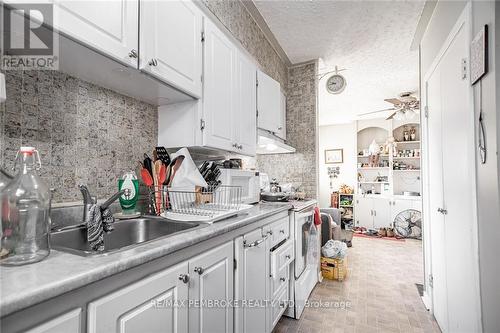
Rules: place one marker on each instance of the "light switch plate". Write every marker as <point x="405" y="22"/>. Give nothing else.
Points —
<point x="3" y="95"/>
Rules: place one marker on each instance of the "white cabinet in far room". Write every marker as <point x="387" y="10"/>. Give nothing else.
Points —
<point x="251" y="279"/>
<point x="381" y="213"/>
<point x="171" y="43"/>
<point x="268" y="103"/>
<point x="372" y="212"/>
<point x="144" y="306"/>
<point x="110" y="27"/>
<point x="211" y="280"/>
<point x="364" y="217"/>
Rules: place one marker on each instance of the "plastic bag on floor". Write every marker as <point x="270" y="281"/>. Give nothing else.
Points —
<point x="334" y="249"/>
<point x="313" y="245"/>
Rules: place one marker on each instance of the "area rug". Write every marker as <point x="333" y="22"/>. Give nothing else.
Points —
<point x="378" y="237"/>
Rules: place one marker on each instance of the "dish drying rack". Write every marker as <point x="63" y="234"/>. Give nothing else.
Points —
<point x="206" y="205"/>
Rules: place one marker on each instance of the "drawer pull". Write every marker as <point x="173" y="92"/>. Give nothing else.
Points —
<point x="184" y="278"/>
<point x="270" y="232"/>
<point x="288" y="256"/>
<point x="282" y="231"/>
<point x="282" y="279"/>
<point x="199" y="270"/>
<point x="256" y="243"/>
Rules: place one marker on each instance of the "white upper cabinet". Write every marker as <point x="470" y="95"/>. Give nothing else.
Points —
<point x="245" y="114"/>
<point x="171" y="43"/>
<point x="219" y="99"/>
<point x="268" y="103"/>
<point x="110" y="27"/>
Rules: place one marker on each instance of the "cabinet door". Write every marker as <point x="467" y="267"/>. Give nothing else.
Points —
<point x="110" y="27"/>
<point x="145" y="306"/>
<point x="219" y="93"/>
<point x="282" y="124"/>
<point x="268" y="103"/>
<point x="212" y="281"/>
<point x="364" y="208"/>
<point x="251" y="282"/>
<point x="69" y="322"/>
<point x="399" y="205"/>
<point x="171" y="45"/>
<point x="245" y="119"/>
<point x="381" y="213"/>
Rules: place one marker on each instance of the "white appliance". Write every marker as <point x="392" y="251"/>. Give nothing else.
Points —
<point x="247" y="179"/>
<point x="305" y="274"/>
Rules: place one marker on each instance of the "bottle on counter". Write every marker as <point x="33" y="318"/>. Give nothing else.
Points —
<point x="25" y="213"/>
<point x="128" y="200"/>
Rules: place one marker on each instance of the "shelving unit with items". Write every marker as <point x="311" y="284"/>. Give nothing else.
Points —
<point x="346" y="202"/>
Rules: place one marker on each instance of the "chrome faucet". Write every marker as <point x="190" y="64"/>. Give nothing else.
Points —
<point x="89" y="200"/>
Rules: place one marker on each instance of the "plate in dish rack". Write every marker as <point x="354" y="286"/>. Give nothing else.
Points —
<point x="205" y="218"/>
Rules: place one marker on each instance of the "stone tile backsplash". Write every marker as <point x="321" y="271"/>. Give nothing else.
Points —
<point x="84" y="133"/>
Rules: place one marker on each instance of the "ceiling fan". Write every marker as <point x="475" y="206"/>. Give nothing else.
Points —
<point x="405" y="106"/>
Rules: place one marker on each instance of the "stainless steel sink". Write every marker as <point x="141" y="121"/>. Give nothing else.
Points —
<point x="126" y="234"/>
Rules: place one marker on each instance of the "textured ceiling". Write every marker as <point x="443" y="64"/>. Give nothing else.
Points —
<point x="371" y="39"/>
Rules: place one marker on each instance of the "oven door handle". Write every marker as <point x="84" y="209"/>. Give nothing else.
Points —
<point x="256" y="243"/>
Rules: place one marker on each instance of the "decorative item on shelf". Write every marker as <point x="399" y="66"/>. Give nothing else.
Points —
<point x="334" y="156"/>
<point x="406" y="134"/>
<point x="346" y="189"/>
<point x="413" y="133"/>
<point x="374" y="151"/>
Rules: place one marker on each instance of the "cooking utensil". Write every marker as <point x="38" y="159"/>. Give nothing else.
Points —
<point x="146" y="177"/>
<point x="156" y="172"/>
<point x="148" y="164"/>
<point x="274" y="196"/>
<point x="162" y="155"/>
<point x="175" y="165"/>
<point x="162" y="174"/>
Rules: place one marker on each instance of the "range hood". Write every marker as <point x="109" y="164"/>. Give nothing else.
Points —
<point x="268" y="143"/>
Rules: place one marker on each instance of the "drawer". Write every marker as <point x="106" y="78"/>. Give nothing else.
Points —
<point x="278" y="306"/>
<point x="278" y="231"/>
<point x="282" y="256"/>
<point x="279" y="281"/>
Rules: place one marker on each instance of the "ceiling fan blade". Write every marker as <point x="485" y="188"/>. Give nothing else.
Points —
<point x="394" y="101"/>
<point x="391" y="116"/>
<point x="367" y="113"/>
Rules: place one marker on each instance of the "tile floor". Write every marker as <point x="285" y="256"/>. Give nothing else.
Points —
<point x="381" y="291"/>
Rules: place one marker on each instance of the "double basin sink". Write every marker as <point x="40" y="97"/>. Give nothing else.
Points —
<point x="126" y="234"/>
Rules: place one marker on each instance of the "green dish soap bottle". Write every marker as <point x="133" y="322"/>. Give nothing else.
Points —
<point x="128" y="201"/>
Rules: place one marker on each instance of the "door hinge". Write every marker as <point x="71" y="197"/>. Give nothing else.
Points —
<point x="202" y="36"/>
<point x="431" y="281"/>
<point x="464" y="68"/>
<point x="257" y="112"/>
<point x="235" y="264"/>
<point x="426" y="111"/>
<point x="202" y="124"/>
<point x="257" y="82"/>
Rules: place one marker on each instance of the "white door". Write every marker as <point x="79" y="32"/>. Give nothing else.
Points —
<point x="456" y="290"/>
<point x="220" y="90"/>
<point x="251" y="281"/>
<point x="111" y="26"/>
<point x="397" y="206"/>
<point x="144" y="306"/>
<point x="245" y="119"/>
<point x="381" y="213"/>
<point x="212" y="281"/>
<point x="364" y="212"/>
<point x="171" y="43"/>
<point x="268" y="102"/>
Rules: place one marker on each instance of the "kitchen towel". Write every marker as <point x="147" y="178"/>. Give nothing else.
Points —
<point x="188" y="176"/>
<point x="99" y="221"/>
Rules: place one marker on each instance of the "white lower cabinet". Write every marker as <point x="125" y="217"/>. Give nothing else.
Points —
<point x="144" y="306"/>
<point x="381" y="213"/>
<point x="251" y="276"/>
<point x="211" y="290"/>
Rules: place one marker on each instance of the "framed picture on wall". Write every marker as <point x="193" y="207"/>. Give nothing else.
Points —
<point x="334" y="156"/>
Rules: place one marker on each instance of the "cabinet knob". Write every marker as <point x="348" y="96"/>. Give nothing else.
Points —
<point x="280" y="128"/>
<point x="282" y="231"/>
<point x="282" y="304"/>
<point x="270" y="232"/>
<point x="199" y="270"/>
<point x="288" y="256"/>
<point x="153" y="62"/>
<point x="235" y="145"/>
<point x="442" y="211"/>
<point x="132" y="54"/>
<point x="240" y="146"/>
<point x="184" y="278"/>
<point x="282" y="279"/>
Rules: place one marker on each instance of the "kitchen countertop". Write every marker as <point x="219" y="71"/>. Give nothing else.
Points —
<point x="61" y="272"/>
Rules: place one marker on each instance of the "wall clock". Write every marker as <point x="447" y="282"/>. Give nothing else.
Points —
<point x="335" y="84"/>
